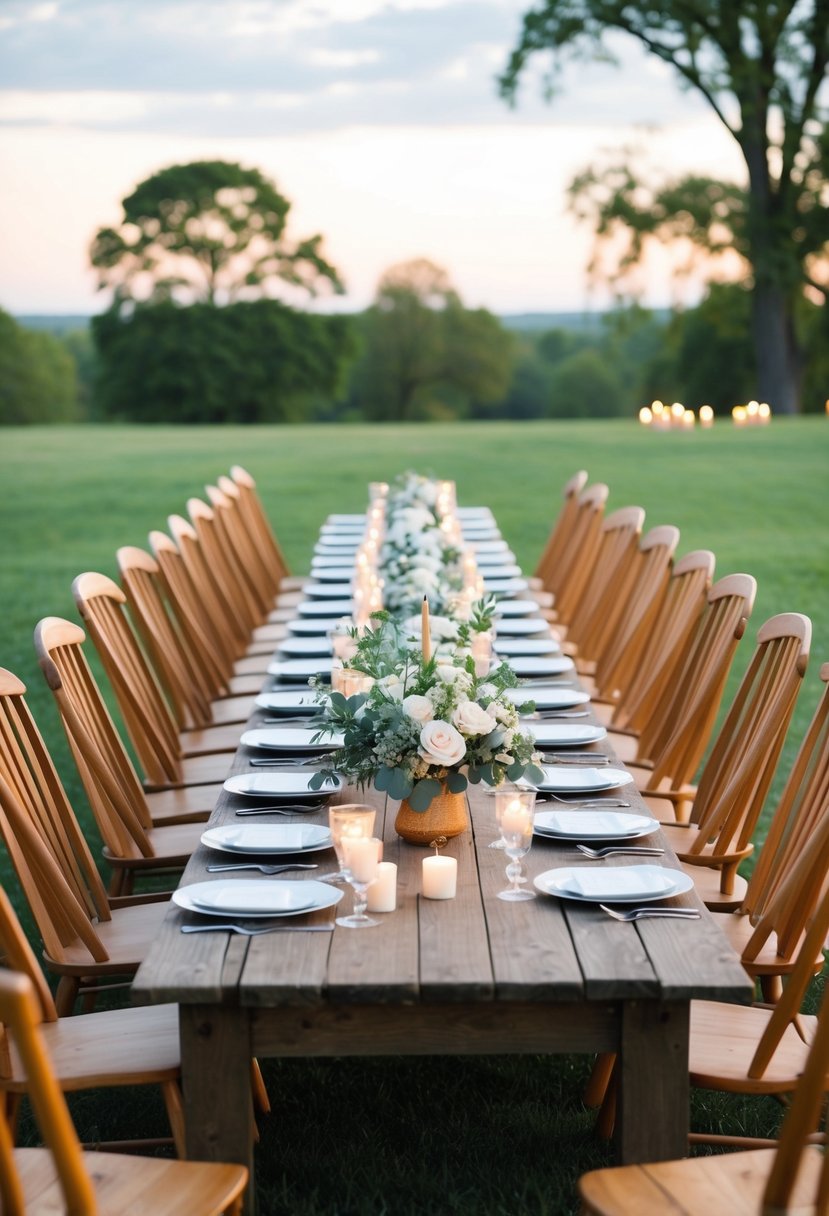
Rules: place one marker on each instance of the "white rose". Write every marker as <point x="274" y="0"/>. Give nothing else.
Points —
<point x="441" y="744"/>
<point x="393" y="687"/>
<point x="487" y="690"/>
<point x="448" y="674"/>
<point x="419" y="708"/>
<point x="472" y="719"/>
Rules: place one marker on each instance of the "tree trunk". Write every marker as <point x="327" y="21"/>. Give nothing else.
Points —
<point x="779" y="370"/>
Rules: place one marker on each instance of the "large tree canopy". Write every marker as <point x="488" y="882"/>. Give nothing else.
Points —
<point x="761" y="65"/>
<point x="209" y="232"/>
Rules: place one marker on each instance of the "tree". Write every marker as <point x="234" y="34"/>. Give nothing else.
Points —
<point x="425" y="355"/>
<point x="37" y="377"/>
<point x="584" y="386"/>
<point x="209" y="231"/>
<point x="761" y="65"/>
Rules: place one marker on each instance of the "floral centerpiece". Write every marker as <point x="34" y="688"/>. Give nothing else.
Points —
<point x="417" y="557"/>
<point x="427" y="726"/>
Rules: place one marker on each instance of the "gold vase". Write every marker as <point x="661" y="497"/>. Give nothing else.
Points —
<point x="445" y="816"/>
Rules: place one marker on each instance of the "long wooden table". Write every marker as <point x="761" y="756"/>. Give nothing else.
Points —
<point x="474" y="975"/>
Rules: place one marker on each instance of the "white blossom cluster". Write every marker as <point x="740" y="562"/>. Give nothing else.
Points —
<point x="416" y="558"/>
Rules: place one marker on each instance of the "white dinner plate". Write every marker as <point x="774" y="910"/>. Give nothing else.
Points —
<point x="351" y="530"/>
<point x="325" y="563"/>
<point x="564" y="734"/>
<point x="504" y="586"/>
<point x="290" y="739"/>
<point x="521" y="626"/>
<point x="555" y="666"/>
<point x="284" y="786"/>
<point x="300" y="669"/>
<point x="475" y="513"/>
<point x="341" y="573"/>
<point x="576" y="778"/>
<point x="593" y="825"/>
<point x="526" y="646"/>
<point x="293" y="648"/>
<point x="268" y="838"/>
<point x="489" y="546"/>
<point x="508" y="570"/>
<point x="548" y="697"/>
<point x="316" y="626"/>
<point x="473" y="533"/>
<point x="515" y="608"/>
<point x="341" y="552"/>
<point x="616" y="884"/>
<point x="484" y="561"/>
<point x="325" y="608"/>
<point x="326" y="591"/>
<point x="337" y="520"/>
<point x="322" y="895"/>
<point x="294" y="701"/>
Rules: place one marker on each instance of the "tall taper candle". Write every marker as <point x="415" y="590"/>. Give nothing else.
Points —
<point x="426" y="638"/>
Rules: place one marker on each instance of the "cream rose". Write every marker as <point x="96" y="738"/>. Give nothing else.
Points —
<point x="472" y="719"/>
<point x="393" y="687"/>
<point x="419" y="708"/>
<point x="440" y="743"/>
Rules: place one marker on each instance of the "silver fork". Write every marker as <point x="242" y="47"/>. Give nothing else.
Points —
<point x="292" y="761"/>
<point x="555" y="715"/>
<point x="250" y="932"/>
<point x="609" y="850"/>
<point x="255" y="865"/>
<point x="631" y="914"/>
<point x="547" y="796"/>
<point x="597" y="761"/>
<point x="279" y="810"/>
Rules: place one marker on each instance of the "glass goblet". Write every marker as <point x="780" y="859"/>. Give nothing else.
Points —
<point x="362" y="859"/>
<point x="350" y="819"/>
<point x="517" y="833"/>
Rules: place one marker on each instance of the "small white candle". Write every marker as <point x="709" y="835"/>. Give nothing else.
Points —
<point x="362" y="856"/>
<point x="440" y="877"/>
<point x="382" y="894"/>
<point x="515" y="818"/>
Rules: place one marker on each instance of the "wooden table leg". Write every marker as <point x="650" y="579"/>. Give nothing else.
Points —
<point x="215" y="1067"/>
<point x="654" y="1091"/>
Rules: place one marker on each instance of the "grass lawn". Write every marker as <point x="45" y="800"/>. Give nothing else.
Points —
<point x="400" y="1137"/>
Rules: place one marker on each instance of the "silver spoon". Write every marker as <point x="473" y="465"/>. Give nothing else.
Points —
<point x="631" y="914"/>
<point x="610" y="850"/>
<point x="248" y="932"/>
<point x="255" y="865"/>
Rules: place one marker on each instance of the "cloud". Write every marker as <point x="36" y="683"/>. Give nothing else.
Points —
<point x="258" y="67"/>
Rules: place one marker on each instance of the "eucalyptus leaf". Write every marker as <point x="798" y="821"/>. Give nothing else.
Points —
<point x="400" y="784"/>
<point x="422" y="794"/>
<point x="456" y="782"/>
<point x="383" y="779"/>
<point x="516" y="771"/>
<point x="534" y="774"/>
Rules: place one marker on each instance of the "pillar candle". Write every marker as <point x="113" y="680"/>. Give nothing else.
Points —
<point x="382" y="894"/>
<point x="440" y="877"/>
<point x="362" y="855"/>
<point x="425" y="636"/>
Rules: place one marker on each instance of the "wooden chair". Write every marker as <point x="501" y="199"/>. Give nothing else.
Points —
<point x="132" y="842"/>
<point x="259" y="526"/>
<point x="597" y="607"/>
<point x="578" y="555"/>
<point x="631" y="691"/>
<point x="792" y="867"/>
<point x="114" y="1047"/>
<point x="560" y="531"/>
<point x="747" y="1049"/>
<point x="151" y="725"/>
<point x="630" y="618"/>
<point x="61" y="1177"/>
<point x="793" y="1177"/>
<point x="737" y="774"/>
<point x="198" y="717"/>
<point x="675" y="727"/>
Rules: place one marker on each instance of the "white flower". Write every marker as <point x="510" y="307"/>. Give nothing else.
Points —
<point x="487" y="690"/>
<point x="472" y="719"/>
<point x="392" y="685"/>
<point x="419" y="708"/>
<point x="441" y="744"/>
<point x="448" y="674"/>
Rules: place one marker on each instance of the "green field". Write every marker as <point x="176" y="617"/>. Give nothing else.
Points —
<point x="460" y="1136"/>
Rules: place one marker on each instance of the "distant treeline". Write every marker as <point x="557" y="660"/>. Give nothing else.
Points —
<point x="263" y="362"/>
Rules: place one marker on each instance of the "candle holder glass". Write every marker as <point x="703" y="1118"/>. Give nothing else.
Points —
<point x="362" y="859"/>
<point x="517" y="835"/>
<point x="349" y="820"/>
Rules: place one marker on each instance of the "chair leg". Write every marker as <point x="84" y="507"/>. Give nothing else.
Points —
<point x="66" y="995"/>
<point x="116" y="881"/>
<point x="171" y="1092"/>
<point x="596" y="1089"/>
<point x="261" y="1100"/>
<point x="606" y="1120"/>
<point x="771" y="987"/>
<point x="12" y="1104"/>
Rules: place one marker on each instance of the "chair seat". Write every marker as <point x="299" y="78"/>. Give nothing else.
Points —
<point x="194" y="804"/>
<point x="172" y="845"/>
<point x="254" y="665"/>
<point x="134" y="1186"/>
<point x="706" y="878"/>
<point x="724" y="1039"/>
<point x="244" y="685"/>
<point x="625" y="746"/>
<point x="232" y="709"/>
<point x="126" y="939"/>
<point x="129" y="1046"/>
<point x="199" y="770"/>
<point x="738" y="930"/>
<point x="211" y="739"/>
<point x="729" y="1184"/>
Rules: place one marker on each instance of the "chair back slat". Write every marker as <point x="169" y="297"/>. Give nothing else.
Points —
<point x="252" y="505"/>
<point x="218" y="615"/>
<point x="598" y="609"/>
<point x="575" y="564"/>
<point x="643" y="689"/>
<point x="225" y="574"/>
<point x="150" y="723"/>
<point x="20" y="957"/>
<point x="239" y="552"/>
<point x="177" y="669"/>
<point x="560" y="531"/>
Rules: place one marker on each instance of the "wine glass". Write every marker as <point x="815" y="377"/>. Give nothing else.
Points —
<point x="517" y="834"/>
<point x="350" y="819"/>
<point x="362" y="858"/>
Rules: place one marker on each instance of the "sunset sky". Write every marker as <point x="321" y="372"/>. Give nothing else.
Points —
<point x="379" y="119"/>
